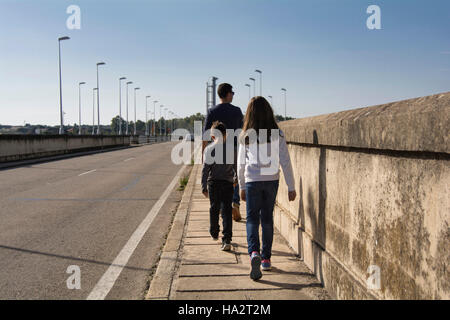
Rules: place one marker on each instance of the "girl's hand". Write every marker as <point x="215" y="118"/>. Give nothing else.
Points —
<point x="292" y="195"/>
<point x="243" y="198"/>
<point x="205" y="193"/>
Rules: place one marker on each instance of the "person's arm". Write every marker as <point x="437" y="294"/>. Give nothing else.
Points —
<point x="241" y="166"/>
<point x="204" y="144"/>
<point x="241" y="171"/>
<point x="286" y="165"/>
<point x="208" y="124"/>
<point x="205" y="173"/>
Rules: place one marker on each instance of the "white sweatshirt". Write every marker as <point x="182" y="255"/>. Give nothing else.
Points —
<point x="255" y="162"/>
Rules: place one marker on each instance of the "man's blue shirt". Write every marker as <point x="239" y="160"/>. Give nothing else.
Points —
<point x="230" y="115"/>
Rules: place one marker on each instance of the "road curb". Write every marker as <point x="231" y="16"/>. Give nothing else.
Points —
<point x="161" y="283"/>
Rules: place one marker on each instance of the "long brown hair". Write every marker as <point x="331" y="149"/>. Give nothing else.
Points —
<point x="259" y="115"/>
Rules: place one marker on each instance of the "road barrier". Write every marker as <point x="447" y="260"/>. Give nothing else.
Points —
<point x="142" y="139"/>
<point x="23" y="147"/>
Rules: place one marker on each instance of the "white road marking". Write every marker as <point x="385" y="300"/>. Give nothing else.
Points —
<point x="82" y="174"/>
<point x="107" y="281"/>
<point x="129" y="159"/>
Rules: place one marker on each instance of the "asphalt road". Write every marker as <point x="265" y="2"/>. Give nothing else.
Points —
<point x="81" y="212"/>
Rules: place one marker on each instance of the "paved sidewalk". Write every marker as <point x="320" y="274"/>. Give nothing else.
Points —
<point x="206" y="272"/>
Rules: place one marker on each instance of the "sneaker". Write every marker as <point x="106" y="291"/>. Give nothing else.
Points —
<point x="215" y="238"/>
<point x="255" y="273"/>
<point x="226" y="246"/>
<point x="266" y="265"/>
<point x="236" y="213"/>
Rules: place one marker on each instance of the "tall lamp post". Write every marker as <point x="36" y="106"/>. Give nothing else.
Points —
<point x="120" y="104"/>
<point x="126" y="127"/>
<point x="271" y="101"/>
<point x="284" y="90"/>
<point x="98" y="99"/>
<point x="135" y="89"/>
<point x="165" y="121"/>
<point x="93" y="111"/>
<point x="173" y="115"/>
<point x="249" y="91"/>
<point x="260" y="81"/>
<point x="150" y="123"/>
<point x="79" y="105"/>
<point x="146" y="115"/>
<point x="160" y="120"/>
<point x="154" y="117"/>
<point x="61" y="127"/>
<point x="254" y="85"/>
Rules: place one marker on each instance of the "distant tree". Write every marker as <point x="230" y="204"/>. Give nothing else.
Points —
<point x="188" y="122"/>
<point x="140" y="127"/>
<point x="280" y="118"/>
<point x="75" y="129"/>
<point x="115" y="123"/>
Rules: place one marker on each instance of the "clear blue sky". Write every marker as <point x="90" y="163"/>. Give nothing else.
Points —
<point x="320" y="50"/>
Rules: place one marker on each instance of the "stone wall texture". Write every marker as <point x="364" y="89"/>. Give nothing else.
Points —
<point x="373" y="190"/>
<point x="22" y="147"/>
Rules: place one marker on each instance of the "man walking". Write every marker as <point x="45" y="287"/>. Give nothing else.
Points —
<point x="232" y="117"/>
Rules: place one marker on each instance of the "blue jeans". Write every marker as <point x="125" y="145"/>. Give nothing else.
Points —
<point x="236" y="196"/>
<point x="220" y="195"/>
<point x="260" y="203"/>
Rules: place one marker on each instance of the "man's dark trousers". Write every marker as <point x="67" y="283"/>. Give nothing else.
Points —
<point x="221" y="196"/>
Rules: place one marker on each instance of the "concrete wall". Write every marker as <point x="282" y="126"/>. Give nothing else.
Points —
<point x="142" y="139"/>
<point x="21" y="147"/>
<point x="373" y="189"/>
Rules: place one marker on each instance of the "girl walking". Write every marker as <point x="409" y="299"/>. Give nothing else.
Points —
<point x="262" y="149"/>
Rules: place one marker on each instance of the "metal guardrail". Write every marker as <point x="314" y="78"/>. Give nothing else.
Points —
<point x="142" y="139"/>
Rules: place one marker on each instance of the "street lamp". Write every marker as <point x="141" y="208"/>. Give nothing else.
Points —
<point x="120" y="104"/>
<point x="93" y="111"/>
<point x="173" y="115"/>
<point x="146" y="115"/>
<point x="171" y="121"/>
<point x="98" y="99"/>
<point x="253" y="79"/>
<point x="61" y="127"/>
<point x="160" y="121"/>
<point x="249" y="93"/>
<point x="126" y="127"/>
<point x="284" y="90"/>
<point x="79" y="105"/>
<point x="271" y="101"/>
<point x="165" y="121"/>
<point x="150" y="123"/>
<point x="154" y="117"/>
<point x="260" y="81"/>
<point x="135" y="89"/>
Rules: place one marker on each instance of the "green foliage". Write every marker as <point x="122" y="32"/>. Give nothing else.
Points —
<point x="188" y="122"/>
<point x="113" y="128"/>
<point x="280" y="118"/>
<point x="183" y="183"/>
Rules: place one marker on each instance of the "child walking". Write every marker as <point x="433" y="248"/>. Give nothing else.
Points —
<point x="258" y="181"/>
<point x="218" y="180"/>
